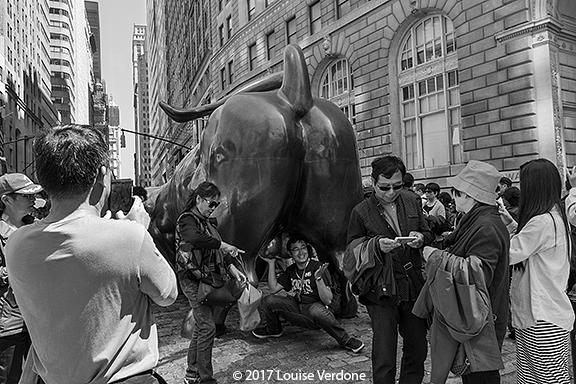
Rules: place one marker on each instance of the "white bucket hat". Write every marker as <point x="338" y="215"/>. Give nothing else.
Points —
<point x="478" y="180"/>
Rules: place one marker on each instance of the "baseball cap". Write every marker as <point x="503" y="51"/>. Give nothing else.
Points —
<point x="18" y="183"/>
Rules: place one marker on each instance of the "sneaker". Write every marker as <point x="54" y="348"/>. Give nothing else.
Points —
<point x="191" y="380"/>
<point x="262" y="333"/>
<point x="354" y="345"/>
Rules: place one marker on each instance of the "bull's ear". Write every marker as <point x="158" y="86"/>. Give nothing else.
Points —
<point x="296" y="82"/>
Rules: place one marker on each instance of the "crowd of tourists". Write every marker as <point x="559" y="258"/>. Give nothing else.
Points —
<point x="449" y="271"/>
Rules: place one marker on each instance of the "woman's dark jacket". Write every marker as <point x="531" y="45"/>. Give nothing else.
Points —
<point x="482" y="233"/>
<point x="197" y="245"/>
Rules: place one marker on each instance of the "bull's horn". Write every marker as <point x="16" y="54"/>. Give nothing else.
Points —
<point x="269" y="83"/>
<point x="296" y="83"/>
<point x="184" y="115"/>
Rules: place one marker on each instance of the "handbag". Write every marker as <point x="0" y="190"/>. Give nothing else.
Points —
<point x="248" y="308"/>
<point x="461" y="364"/>
<point x="219" y="291"/>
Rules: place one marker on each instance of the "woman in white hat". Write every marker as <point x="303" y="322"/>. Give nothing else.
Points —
<point x="17" y="197"/>
<point x="540" y="255"/>
<point x="482" y="233"/>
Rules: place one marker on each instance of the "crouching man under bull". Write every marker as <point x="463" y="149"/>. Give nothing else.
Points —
<point x="386" y="272"/>
<point x="309" y="306"/>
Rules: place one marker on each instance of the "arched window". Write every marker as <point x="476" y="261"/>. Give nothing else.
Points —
<point x="337" y="86"/>
<point x="429" y="96"/>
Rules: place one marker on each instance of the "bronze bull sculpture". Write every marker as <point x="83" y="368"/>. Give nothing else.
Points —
<point x="284" y="162"/>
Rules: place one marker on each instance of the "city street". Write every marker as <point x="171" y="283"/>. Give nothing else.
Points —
<point x="298" y="356"/>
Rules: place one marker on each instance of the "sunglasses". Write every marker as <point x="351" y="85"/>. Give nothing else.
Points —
<point x="386" y="188"/>
<point x="211" y="204"/>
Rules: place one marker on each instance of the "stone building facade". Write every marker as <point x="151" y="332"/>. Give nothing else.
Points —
<point x="436" y="82"/>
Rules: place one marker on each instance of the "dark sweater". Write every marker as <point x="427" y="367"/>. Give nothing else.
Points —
<point x="482" y="233"/>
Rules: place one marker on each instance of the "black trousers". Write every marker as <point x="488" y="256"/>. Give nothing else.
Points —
<point x="13" y="367"/>
<point x="488" y="377"/>
<point x="387" y="319"/>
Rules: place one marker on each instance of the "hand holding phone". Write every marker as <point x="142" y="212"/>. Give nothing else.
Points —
<point x="405" y="239"/>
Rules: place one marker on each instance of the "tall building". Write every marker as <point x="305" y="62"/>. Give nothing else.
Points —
<point x="70" y="60"/>
<point x="98" y="100"/>
<point x="114" y="133"/>
<point x="142" y="169"/>
<point x="436" y="82"/>
<point x="179" y="74"/>
<point x="93" y="17"/>
<point x="25" y="104"/>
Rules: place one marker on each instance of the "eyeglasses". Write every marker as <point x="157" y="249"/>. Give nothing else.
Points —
<point x="211" y="204"/>
<point x="28" y="196"/>
<point x="298" y="250"/>
<point x="386" y="188"/>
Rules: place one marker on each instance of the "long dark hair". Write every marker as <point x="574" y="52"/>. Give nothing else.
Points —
<point x="205" y="190"/>
<point x="541" y="188"/>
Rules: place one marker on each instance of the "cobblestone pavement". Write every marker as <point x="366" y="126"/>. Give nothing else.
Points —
<point x="240" y="357"/>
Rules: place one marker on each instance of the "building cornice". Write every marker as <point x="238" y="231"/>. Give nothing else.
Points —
<point x="548" y="23"/>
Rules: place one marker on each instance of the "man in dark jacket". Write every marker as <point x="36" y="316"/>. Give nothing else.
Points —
<point x="376" y="223"/>
<point x="482" y="233"/>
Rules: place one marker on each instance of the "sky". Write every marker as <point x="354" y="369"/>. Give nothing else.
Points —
<point x="117" y="19"/>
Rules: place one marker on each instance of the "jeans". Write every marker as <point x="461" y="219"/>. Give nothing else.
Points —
<point x="310" y="316"/>
<point x="21" y="342"/>
<point x="200" y="349"/>
<point x="386" y="320"/>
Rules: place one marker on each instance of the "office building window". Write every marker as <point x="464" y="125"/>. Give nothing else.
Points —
<point x="251" y="9"/>
<point x="230" y="72"/>
<point x="337" y="86"/>
<point x="252" y="56"/>
<point x="223" y="78"/>
<point x="221" y="34"/>
<point x="342" y="8"/>
<point x="229" y="26"/>
<point x="270" y="45"/>
<point x="291" y="31"/>
<point x="315" y="14"/>
<point x="430" y="100"/>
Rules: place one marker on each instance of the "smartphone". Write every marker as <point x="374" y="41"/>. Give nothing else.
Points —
<point x="405" y="239"/>
<point x="120" y="198"/>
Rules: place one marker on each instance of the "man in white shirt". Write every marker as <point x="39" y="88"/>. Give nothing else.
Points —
<point x="84" y="283"/>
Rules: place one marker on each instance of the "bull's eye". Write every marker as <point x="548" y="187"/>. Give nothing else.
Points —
<point x="219" y="154"/>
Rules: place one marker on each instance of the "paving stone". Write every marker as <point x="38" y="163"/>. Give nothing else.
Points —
<point x="298" y="351"/>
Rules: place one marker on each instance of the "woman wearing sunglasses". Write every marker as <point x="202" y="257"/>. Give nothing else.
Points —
<point x="201" y="250"/>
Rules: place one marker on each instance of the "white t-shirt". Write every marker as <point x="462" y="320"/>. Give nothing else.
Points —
<point x="84" y="286"/>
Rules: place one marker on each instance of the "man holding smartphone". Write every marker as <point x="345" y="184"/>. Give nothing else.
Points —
<point x="309" y="301"/>
<point x="385" y="235"/>
<point x="84" y="283"/>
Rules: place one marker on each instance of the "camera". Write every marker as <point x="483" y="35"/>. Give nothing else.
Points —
<point x="120" y="198"/>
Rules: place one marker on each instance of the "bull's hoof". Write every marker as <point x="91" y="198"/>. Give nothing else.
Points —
<point x="220" y="330"/>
